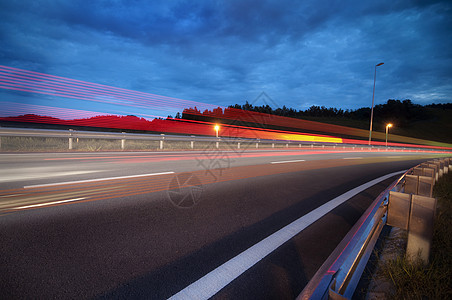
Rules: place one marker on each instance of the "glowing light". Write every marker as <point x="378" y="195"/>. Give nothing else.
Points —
<point x="387" y="130"/>
<point x="217" y="128"/>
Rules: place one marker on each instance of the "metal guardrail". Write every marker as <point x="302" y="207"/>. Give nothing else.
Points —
<point x="71" y="134"/>
<point x="123" y="136"/>
<point x="339" y="275"/>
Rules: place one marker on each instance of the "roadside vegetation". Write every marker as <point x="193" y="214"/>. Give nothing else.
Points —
<point x="434" y="281"/>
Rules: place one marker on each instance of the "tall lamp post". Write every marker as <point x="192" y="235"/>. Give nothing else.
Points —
<point x="372" y="111"/>
<point x="387" y="130"/>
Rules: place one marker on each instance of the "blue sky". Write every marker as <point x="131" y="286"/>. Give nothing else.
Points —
<point x="300" y="53"/>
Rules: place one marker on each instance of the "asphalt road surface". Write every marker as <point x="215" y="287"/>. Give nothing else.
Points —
<point x="150" y="224"/>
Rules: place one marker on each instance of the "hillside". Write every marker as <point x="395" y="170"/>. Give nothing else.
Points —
<point x="437" y="127"/>
<point x="429" y="122"/>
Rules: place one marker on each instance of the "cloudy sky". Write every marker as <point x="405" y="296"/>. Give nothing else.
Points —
<point x="300" y="53"/>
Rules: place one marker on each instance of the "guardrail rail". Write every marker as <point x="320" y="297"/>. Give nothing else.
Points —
<point x="162" y="138"/>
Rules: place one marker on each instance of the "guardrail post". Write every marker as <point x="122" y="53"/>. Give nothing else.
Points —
<point x="70" y="139"/>
<point x="425" y="186"/>
<point x="414" y="213"/>
<point x="123" y="142"/>
<point x="411" y="183"/>
<point x="192" y="143"/>
<point x="238" y="145"/>
<point x="439" y="168"/>
<point x="420" y="231"/>
<point x="257" y="145"/>
<point x="419" y="185"/>
<point x="217" y="144"/>
<point x="399" y="209"/>
<point x="446" y="165"/>
<point x="435" y="167"/>
<point x="273" y="145"/>
<point x="161" y="141"/>
<point x="287" y="145"/>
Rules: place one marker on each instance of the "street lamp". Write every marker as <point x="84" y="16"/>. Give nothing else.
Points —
<point x="387" y="130"/>
<point x="373" y="96"/>
<point x="217" y="127"/>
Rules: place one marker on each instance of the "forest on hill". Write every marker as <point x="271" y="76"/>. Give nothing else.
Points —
<point x="398" y="112"/>
<point x="430" y="122"/>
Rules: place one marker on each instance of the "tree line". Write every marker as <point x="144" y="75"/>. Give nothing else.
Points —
<point x="401" y="112"/>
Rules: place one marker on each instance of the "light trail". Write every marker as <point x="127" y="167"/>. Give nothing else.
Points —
<point x="18" y="77"/>
<point x="95" y="190"/>
<point x="49" y="203"/>
<point x="287" y="161"/>
<point x="97" y="179"/>
<point x="40" y="83"/>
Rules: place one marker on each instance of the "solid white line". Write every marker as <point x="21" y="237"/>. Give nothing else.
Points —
<point x="286" y="161"/>
<point x="12" y="195"/>
<point x="94" y="180"/>
<point x="352" y="158"/>
<point x="22" y="174"/>
<point x="213" y="282"/>
<point x="49" y="203"/>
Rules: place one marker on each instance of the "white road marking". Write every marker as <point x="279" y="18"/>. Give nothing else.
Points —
<point x="21" y="174"/>
<point x="352" y="158"/>
<point x="12" y="195"/>
<point x="286" y="161"/>
<point x="94" y="180"/>
<point x="213" y="282"/>
<point x="48" y="203"/>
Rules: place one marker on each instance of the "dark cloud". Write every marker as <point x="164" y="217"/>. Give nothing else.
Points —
<point x="301" y="53"/>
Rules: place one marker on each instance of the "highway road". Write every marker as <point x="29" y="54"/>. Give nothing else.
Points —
<point x="152" y="225"/>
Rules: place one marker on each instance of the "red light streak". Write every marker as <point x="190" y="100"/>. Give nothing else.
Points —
<point x="37" y="86"/>
<point x="40" y="83"/>
<point x="88" y="88"/>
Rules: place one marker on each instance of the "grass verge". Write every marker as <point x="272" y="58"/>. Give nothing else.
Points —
<point x="434" y="281"/>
